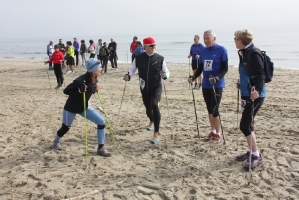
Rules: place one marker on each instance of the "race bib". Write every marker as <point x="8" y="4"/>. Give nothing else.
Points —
<point x="141" y="83"/>
<point x="208" y="65"/>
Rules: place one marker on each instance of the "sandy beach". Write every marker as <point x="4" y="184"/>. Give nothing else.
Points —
<point x="183" y="167"/>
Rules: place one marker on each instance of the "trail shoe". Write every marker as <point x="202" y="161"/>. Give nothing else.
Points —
<point x="255" y="161"/>
<point x="155" y="139"/>
<point x="103" y="152"/>
<point x="150" y="127"/>
<point x="217" y="138"/>
<point x="57" y="145"/>
<point x="243" y="157"/>
<point x="209" y="137"/>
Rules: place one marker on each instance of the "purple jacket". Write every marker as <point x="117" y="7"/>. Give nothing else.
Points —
<point x="76" y="46"/>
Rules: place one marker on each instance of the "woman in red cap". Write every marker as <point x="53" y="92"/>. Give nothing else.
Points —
<point x="152" y="69"/>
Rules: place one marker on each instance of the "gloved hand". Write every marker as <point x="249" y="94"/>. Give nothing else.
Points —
<point x="127" y="77"/>
<point x="82" y="88"/>
<point x="163" y="75"/>
<point x="213" y="80"/>
<point x="191" y="79"/>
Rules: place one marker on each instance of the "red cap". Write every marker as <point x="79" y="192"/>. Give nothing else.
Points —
<point x="148" y="41"/>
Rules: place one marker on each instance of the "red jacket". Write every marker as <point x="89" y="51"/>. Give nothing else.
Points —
<point x="57" y="56"/>
<point x="134" y="45"/>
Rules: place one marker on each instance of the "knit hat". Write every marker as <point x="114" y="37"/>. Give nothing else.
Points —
<point x="92" y="64"/>
<point x="148" y="41"/>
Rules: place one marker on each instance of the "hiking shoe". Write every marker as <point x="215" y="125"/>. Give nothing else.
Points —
<point x="103" y="152"/>
<point x="150" y="127"/>
<point x="155" y="139"/>
<point x="217" y="138"/>
<point x="57" y="145"/>
<point x="209" y="137"/>
<point x="243" y="157"/>
<point x="255" y="161"/>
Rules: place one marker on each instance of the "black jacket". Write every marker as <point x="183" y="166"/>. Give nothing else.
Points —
<point x="114" y="45"/>
<point x="149" y="69"/>
<point x="74" y="103"/>
<point x="253" y="61"/>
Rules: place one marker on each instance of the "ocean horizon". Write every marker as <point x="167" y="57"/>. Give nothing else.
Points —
<point x="174" y="47"/>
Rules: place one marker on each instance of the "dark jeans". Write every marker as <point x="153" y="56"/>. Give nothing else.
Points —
<point x="58" y="73"/>
<point x="133" y="56"/>
<point x="100" y="58"/>
<point x="105" y="62"/>
<point x="151" y="102"/>
<point x="113" y="59"/>
<point x="77" y="57"/>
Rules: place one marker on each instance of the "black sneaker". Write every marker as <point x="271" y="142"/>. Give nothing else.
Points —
<point x="255" y="161"/>
<point x="243" y="157"/>
<point x="103" y="152"/>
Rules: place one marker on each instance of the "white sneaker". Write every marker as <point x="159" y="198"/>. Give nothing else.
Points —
<point x="116" y="68"/>
<point x="73" y="71"/>
<point x="68" y="72"/>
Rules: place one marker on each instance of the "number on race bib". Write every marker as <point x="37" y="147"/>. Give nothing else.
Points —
<point x="208" y="65"/>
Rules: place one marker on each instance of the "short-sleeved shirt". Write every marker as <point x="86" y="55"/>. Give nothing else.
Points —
<point x="195" y="50"/>
<point x="211" y="59"/>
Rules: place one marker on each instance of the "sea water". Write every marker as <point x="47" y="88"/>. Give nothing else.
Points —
<point x="283" y="48"/>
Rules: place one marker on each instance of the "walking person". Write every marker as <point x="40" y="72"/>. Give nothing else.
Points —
<point x="139" y="49"/>
<point x="86" y="83"/>
<point x="77" y="47"/>
<point x="70" y="60"/>
<point x="133" y="47"/>
<point x="98" y="47"/>
<point x="83" y="50"/>
<point x="62" y="50"/>
<point x="253" y="92"/>
<point x="152" y="69"/>
<point x="104" y="55"/>
<point x="113" y="56"/>
<point x="57" y="58"/>
<point x="50" y="50"/>
<point x="213" y="63"/>
<point x="195" y="54"/>
<point x="92" y="46"/>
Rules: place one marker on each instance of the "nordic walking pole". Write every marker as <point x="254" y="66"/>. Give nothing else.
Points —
<point x="219" y="112"/>
<point x="189" y="73"/>
<point x="108" y="122"/>
<point x="252" y="124"/>
<point x="170" y="121"/>
<point x="237" y="126"/>
<point x="122" y="98"/>
<point x="195" y="109"/>
<point x="85" y="127"/>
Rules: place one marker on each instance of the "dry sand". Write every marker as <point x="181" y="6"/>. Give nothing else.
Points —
<point x="183" y="168"/>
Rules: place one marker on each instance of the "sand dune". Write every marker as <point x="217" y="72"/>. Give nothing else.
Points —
<point x="184" y="167"/>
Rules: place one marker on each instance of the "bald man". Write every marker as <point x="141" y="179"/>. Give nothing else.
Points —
<point x="113" y="57"/>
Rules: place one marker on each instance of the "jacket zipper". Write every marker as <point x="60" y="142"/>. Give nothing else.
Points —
<point x="149" y="59"/>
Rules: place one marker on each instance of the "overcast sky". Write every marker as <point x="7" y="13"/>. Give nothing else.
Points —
<point x="55" y="18"/>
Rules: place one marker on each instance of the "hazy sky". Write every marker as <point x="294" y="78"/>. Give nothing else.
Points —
<point x="55" y="18"/>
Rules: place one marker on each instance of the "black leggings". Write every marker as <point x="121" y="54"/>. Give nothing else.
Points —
<point x="151" y="102"/>
<point x="113" y="60"/>
<point x="77" y="57"/>
<point x="58" y="73"/>
<point x="195" y="64"/>
<point x="246" y="125"/>
<point x="209" y="97"/>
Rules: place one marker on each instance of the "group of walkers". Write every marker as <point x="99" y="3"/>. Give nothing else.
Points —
<point x="209" y="62"/>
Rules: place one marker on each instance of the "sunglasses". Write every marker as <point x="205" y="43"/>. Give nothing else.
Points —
<point x="152" y="45"/>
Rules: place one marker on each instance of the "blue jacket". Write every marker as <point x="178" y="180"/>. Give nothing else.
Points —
<point x="138" y="50"/>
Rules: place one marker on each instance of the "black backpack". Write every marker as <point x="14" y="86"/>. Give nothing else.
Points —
<point x="268" y="67"/>
<point x="102" y="51"/>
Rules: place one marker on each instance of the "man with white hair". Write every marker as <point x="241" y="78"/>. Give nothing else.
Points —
<point x="213" y="64"/>
<point x="152" y="69"/>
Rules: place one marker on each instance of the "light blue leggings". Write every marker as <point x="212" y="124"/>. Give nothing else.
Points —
<point x="92" y="115"/>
